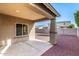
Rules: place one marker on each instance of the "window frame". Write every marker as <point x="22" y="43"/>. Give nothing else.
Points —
<point x="22" y="30"/>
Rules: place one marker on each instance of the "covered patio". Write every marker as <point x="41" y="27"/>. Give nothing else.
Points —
<point x="17" y="24"/>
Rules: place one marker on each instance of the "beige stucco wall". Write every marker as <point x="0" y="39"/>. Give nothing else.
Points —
<point x="8" y="28"/>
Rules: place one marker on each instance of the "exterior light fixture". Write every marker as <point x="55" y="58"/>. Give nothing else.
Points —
<point x="17" y="11"/>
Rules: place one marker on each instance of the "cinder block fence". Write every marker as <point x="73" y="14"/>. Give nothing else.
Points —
<point x="68" y="31"/>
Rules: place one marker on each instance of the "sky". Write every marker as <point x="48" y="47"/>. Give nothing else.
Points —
<point x="66" y="10"/>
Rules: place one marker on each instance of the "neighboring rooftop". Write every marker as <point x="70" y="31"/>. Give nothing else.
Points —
<point x="64" y="22"/>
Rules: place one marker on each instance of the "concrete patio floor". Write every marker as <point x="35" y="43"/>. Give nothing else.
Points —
<point x="27" y="48"/>
<point x="66" y="46"/>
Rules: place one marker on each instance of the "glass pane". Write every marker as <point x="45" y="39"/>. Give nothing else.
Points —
<point x="18" y="29"/>
<point x="25" y="30"/>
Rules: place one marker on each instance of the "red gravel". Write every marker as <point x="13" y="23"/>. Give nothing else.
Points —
<point x="66" y="46"/>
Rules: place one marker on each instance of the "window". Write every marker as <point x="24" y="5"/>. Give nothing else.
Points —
<point x="18" y="29"/>
<point x="21" y="29"/>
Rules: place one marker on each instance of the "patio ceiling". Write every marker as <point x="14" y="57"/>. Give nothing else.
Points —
<point x="26" y="11"/>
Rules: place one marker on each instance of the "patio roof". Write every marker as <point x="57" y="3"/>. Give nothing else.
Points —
<point x="51" y="8"/>
<point x="29" y="11"/>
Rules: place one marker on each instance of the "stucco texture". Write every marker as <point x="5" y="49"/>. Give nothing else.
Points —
<point x="8" y="28"/>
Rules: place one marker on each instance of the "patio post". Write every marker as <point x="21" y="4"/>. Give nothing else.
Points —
<point x="32" y="31"/>
<point x="52" y="31"/>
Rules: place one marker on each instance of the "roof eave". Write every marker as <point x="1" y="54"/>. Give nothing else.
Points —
<point x="52" y="9"/>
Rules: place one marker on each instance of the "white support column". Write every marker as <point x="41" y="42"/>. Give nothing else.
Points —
<point x="32" y="31"/>
<point x="53" y="32"/>
<point x="78" y="32"/>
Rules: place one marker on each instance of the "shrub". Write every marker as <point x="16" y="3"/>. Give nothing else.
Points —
<point x="71" y="26"/>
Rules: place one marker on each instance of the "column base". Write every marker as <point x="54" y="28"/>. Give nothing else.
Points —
<point x="53" y="43"/>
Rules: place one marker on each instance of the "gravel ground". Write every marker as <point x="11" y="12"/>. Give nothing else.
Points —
<point x="66" y="46"/>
